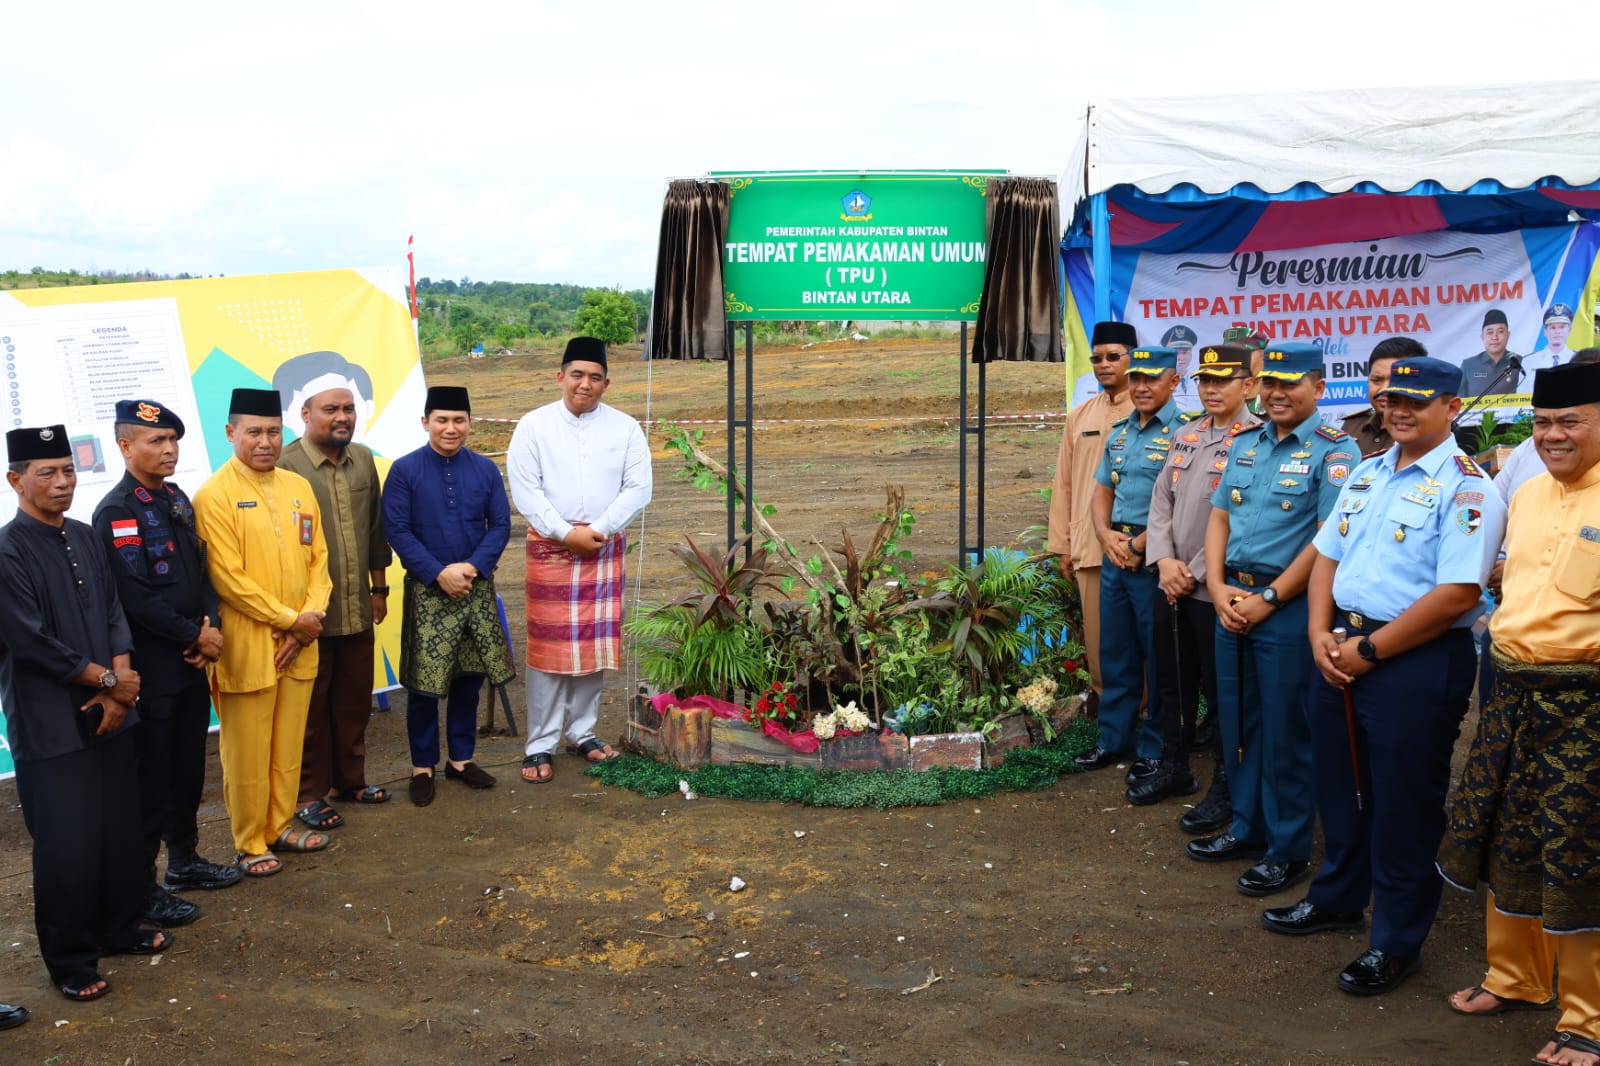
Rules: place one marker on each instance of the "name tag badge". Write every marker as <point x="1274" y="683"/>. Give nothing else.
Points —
<point x="1590" y="534"/>
<point x="245" y="503"/>
<point x="305" y="527"/>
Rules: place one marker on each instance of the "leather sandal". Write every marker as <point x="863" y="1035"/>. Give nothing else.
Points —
<point x="539" y="764"/>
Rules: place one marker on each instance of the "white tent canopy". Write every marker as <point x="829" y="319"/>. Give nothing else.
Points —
<point x="1393" y="138"/>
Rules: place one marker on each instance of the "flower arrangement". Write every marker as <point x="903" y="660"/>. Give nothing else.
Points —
<point x="1039" y="695"/>
<point x="777" y="704"/>
<point x="848" y="718"/>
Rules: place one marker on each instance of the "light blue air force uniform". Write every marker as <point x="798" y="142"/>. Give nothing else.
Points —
<point x="1275" y="492"/>
<point x="1134" y="457"/>
<point x="1396" y="535"/>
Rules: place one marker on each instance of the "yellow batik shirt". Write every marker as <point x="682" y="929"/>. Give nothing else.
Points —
<point x="1550" y="598"/>
<point x="268" y="560"/>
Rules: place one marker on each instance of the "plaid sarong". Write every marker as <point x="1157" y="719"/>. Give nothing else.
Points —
<point x="574" y="607"/>
<point x="442" y="638"/>
<point x="1525" y="818"/>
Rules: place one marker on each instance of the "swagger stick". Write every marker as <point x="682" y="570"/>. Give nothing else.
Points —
<point x="1238" y="703"/>
<point x="1340" y="634"/>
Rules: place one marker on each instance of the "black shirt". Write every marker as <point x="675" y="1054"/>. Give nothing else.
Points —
<point x="155" y="555"/>
<point x="59" y="612"/>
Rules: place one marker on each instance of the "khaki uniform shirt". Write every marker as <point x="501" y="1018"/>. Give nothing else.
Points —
<point x="1083" y="441"/>
<point x="1366" y="428"/>
<point x="1550" y="599"/>
<point x="269" y="563"/>
<point x="1180" y="504"/>
<point x="351" y="501"/>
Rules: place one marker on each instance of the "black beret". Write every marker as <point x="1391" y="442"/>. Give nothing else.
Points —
<point x="41" y="442"/>
<point x="1114" y="333"/>
<point x="447" y="398"/>
<point x="264" y="403"/>
<point x="585" y="350"/>
<point x="149" y="413"/>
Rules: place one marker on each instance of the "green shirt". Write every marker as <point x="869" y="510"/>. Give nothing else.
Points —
<point x="350" y="498"/>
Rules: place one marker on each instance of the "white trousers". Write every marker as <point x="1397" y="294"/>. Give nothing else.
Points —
<point x="554" y="698"/>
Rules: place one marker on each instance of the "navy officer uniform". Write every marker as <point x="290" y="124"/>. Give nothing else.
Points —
<point x="1401" y="530"/>
<point x="159" y="563"/>
<point x="1136" y="451"/>
<point x="1274" y="493"/>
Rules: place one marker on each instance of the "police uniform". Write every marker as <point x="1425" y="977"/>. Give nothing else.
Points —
<point x="1134" y="456"/>
<point x="1275" y="492"/>
<point x="1366" y="428"/>
<point x="1397" y="533"/>
<point x="1180" y="511"/>
<point x="159" y="563"/>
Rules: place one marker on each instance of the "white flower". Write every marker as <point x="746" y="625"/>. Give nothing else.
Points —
<point x="854" y="720"/>
<point x="823" y="726"/>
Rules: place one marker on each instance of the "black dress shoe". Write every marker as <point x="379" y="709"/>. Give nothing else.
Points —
<point x="195" y="872"/>
<point x="1164" y="783"/>
<point x="421" y="789"/>
<point x="472" y="774"/>
<point x="1376" y="972"/>
<point x="1141" y="769"/>
<point x="168" y="911"/>
<point x="1267" y="878"/>
<point x="1096" y="759"/>
<point x="1205" y="734"/>
<point x="11" y="1017"/>
<point x="1305" y="918"/>
<point x="1212" y="813"/>
<point x="1224" y="848"/>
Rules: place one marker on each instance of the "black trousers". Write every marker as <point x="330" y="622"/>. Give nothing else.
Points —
<point x="171" y="743"/>
<point x="82" y="810"/>
<point x="1186" y="666"/>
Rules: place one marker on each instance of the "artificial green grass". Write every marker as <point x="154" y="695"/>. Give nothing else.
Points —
<point x="1025" y="769"/>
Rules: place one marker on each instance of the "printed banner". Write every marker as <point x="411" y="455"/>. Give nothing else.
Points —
<point x="857" y="245"/>
<point x="71" y="353"/>
<point x="1471" y="299"/>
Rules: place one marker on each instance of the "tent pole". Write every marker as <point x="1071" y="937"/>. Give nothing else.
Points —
<point x="749" y="435"/>
<point x="1100" y="220"/>
<point x="733" y="464"/>
<point x="983" y="405"/>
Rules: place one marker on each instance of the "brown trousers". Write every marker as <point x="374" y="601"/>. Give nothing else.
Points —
<point x="335" y="756"/>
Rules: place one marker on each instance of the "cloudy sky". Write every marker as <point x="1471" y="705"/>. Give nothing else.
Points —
<point x="531" y="141"/>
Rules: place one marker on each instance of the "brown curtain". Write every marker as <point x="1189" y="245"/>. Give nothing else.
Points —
<point x="1019" y="313"/>
<point x="687" y="320"/>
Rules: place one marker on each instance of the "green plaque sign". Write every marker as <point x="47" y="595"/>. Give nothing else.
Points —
<point x="856" y="245"/>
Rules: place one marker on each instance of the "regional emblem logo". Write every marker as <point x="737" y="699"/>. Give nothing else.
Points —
<point x="147" y="412"/>
<point x="857" y="207"/>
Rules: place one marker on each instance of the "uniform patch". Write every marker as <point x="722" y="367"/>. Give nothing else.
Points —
<point x="1328" y="432"/>
<point x="1191" y="438"/>
<point x="163" y="568"/>
<point x="143" y="495"/>
<point x="1470" y="519"/>
<point x="1294" y="468"/>
<point x="306" y="528"/>
<point x="1590" y="534"/>
<point x="1466" y="499"/>
<point x="1337" y="472"/>
<point x="1465" y="464"/>
<point x="124" y="527"/>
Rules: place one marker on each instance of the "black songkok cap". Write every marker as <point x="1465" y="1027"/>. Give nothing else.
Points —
<point x="46" y="442"/>
<point x="149" y="413"/>
<point x="1494" y="317"/>
<point x="1566" y="386"/>
<point x="1114" y="333"/>
<point x="585" y="350"/>
<point x="447" y="398"/>
<point x="262" y="402"/>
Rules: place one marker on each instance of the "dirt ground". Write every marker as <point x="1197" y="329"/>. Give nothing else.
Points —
<point x="572" y="924"/>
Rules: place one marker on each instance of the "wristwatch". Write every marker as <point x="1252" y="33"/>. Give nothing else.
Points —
<point x="108" y="680"/>
<point x="1269" y="596"/>
<point x="380" y="590"/>
<point x="1367" y="650"/>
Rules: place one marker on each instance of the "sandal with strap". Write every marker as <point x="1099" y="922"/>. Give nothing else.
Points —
<point x="1572" y="1042"/>
<point x="364" y="794"/>
<point x="300" y="840"/>
<point x="148" y="942"/>
<point x="318" y="814"/>
<point x="539" y="764"/>
<point x="84" y="991"/>
<point x="264" y="865"/>
<point x="594" y="749"/>
<point x="1502" y="1004"/>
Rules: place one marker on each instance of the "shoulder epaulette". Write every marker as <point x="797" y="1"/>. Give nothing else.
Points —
<point x="1121" y="421"/>
<point x="1468" y="467"/>
<point x="1185" y="417"/>
<point x="1239" y="427"/>
<point x="1330" y="433"/>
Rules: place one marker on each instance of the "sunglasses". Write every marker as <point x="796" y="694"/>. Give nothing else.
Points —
<point x="1096" y="360"/>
